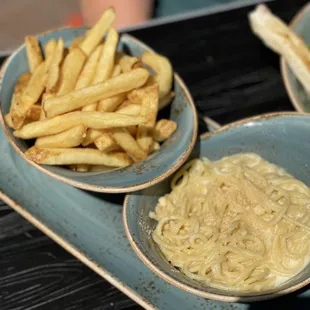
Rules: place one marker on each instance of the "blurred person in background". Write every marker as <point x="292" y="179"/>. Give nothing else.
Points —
<point x="133" y="12"/>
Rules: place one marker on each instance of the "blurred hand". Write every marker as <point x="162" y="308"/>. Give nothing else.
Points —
<point x="128" y="12"/>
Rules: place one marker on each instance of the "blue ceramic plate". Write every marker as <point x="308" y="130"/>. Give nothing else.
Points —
<point x="89" y="226"/>
<point x="155" y="168"/>
<point x="297" y="94"/>
<point x="282" y="139"/>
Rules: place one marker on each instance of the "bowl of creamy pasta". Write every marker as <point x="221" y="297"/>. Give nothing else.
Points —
<point x="233" y="223"/>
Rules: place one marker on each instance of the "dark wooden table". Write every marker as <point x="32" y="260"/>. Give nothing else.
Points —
<point x="231" y="75"/>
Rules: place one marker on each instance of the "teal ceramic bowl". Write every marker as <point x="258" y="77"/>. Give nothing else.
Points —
<point x="282" y="139"/>
<point x="299" y="97"/>
<point x="154" y="169"/>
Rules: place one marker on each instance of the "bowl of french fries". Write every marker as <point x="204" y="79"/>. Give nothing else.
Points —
<point x="292" y="43"/>
<point x="96" y="109"/>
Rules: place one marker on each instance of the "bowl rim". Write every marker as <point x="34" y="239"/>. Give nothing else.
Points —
<point x="220" y="297"/>
<point x="99" y="188"/>
<point x="284" y="66"/>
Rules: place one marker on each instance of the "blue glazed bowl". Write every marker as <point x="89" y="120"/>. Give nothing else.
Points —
<point x="154" y="169"/>
<point x="299" y="97"/>
<point x="282" y="139"/>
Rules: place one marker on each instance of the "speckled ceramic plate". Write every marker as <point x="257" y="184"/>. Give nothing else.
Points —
<point x="159" y="165"/>
<point x="297" y="94"/>
<point x="89" y="226"/>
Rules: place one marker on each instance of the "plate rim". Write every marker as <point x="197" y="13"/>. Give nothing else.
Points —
<point x="226" y="298"/>
<point x="284" y="66"/>
<point x="98" y="188"/>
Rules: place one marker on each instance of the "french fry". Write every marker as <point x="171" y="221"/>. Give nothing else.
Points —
<point x="76" y="43"/>
<point x="111" y="104"/>
<point x="131" y="109"/>
<point x="91" y="136"/>
<point x="69" y="138"/>
<point x="95" y="34"/>
<point x="281" y="39"/>
<point x="74" y="156"/>
<point x="90" y="107"/>
<point x="161" y="65"/>
<point x="125" y="104"/>
<point x="34" y="54"/>
<point x="82" y="97"/>
<point x="95" y="120"/>
<point x="8" y="120"/>
<point x="127" y="63"/>
<point x="70" y="70"/>
<point x="116" y="71"/>
<point x="166" y="100"/>
<point x="29" y="96"/>
<point x="125" y="140"/>
<point x="106" y="143"/>
<point x="22" y="82"/>
<point x="54" y="69"/>
<point x="106" y="61"/>
<point x="49" y="49"/>
<point x="89" y="69"/>
<point x="164" y="128"/>
<point x="149" y="108"/>
<point x="155" y="146"/>
<point x="33" y="113"/>
<point x="44" y="97"/>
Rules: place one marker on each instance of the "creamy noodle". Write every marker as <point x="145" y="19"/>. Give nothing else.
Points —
<point x="239" y="223"/>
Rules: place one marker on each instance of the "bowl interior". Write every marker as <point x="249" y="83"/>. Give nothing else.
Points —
<point x="301" y="99"/>
<point x="282" y="140"/>
<point x="172" y="153"/>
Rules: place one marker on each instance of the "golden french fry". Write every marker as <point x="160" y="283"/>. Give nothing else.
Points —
<point x="35" y="87"/>
<point x="91" y="136"/>
<point x="149" y="108"/>
<point x="164" y="128"/>
<point x="76" y="43"/>
<point x="95" y="120"/>
<point x="69" y="138"/>
<point x="106" y="61"/>
<point x="82" y="97"/>
<point x="125" y="140"/>
<point x="116" y="71"/>
<point x="96" y="33"/>
<point x="89" y="69"/>
<point x="54" y="66"/>
<point x="155" y="146"/>
<point x="131" y="109"/>
<point x="20" y="86"/>
<point x="110" y="104"/>
<point x="70" y="70"/>
<point x="161" y="65"/>
<point x="125" y="104"/>
<point x="29" y="96"/>
<point x="73" y="156"/>
<point x="276" y="35"/>
<point x="127" y="63"/>
<point x="80" y="168"/>
<point x="90" y="107"/>
<point x="106" y="143"/>
<point x="44" y="97"/>
<point x="34" y="54"/>
<point x="166" y="100"/>
<point x="49" y="48"/>
<point x="34" y="113"/>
